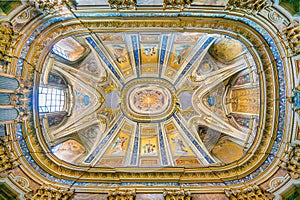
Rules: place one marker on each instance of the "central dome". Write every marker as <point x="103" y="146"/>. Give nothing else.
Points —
<point x="148" y="100"/>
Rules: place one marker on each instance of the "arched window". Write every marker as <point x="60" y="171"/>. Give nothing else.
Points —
<point x="51" y="99"/>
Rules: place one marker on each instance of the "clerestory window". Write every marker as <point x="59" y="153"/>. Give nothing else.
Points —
<point x="51" y="99"/>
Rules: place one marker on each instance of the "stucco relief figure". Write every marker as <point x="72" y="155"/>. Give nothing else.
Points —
<point x="119" y="145"/>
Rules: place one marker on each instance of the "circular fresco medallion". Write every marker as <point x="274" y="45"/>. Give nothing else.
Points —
<point x="148" y="100"/>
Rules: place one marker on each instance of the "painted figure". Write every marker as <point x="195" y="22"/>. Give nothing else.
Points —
<point x="180" y="147"/>
<point x="179" y="54"/>
<point x="120" y="54"/>
<point x="149" y="148"/>
<point x="119" y="145"/>
<point x="149" y="51"/>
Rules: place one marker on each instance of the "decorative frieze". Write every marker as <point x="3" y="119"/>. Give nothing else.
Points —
<point x="246" y="193"/>
<point x="177" y="195"/>
<point x="179" y="4"/>
<point x="247" y="5"/>
<point x="291" y="161"/>
<point x="49" y="193"/>
<point x="121" y="195"/>
<point x="122" y="4"/>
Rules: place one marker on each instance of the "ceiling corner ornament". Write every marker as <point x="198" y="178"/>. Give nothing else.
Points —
<point x="251" y="6"/>
<point x="121" y="194"/>
<point x="177" y="194"/>
<point x="177" y="4"/>
<point x="252" y="192"/>
<point x="292" y="38"/>
<point x="291" y="161"/>
<point x="122" y="4"/>
<point x="48" y="193"/>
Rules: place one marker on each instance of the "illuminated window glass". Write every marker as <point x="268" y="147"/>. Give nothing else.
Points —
<point x="51" y="99"/>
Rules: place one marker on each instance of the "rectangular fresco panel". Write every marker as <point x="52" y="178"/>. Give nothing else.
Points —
<point x="178" y="145"/>
<point x="119" y="145"/>
<point x="178" y="55"/>
<point x="149" y="145"/>
<point x="149" y="54"/>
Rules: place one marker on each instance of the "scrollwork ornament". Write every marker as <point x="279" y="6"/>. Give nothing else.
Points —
<point x="291" y="37"/>
<point x="291" y="161"/>
<point x="8" y="160"/>
<point x="250" y="6"/>
<point x="49" y="193"/>
<point x="122" y="4"/>
<point x="177" y="195"/>
<point x="252" y="192"/>
<point x="119" y="194"/>
<point x="177" y="4"/>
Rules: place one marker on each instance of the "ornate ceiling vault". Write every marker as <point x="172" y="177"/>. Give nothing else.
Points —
<point x="149" y="100"/>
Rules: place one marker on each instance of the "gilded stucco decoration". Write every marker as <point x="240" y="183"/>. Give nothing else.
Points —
<point x="292" y="38"/>
<point x="118" y="4"/>
<point x="121" y="195"/>
<point x="252" y="192"/>
<point x="247" y="5"/>
<point x="291" y="161"/>
<point x="182" y="103"/>
<point x="8" y="159"/>
<point x="177" y="195"/>
<point x="48" y="193"/>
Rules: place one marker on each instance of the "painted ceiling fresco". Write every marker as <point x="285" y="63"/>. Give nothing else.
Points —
<point x="152" y="99"/>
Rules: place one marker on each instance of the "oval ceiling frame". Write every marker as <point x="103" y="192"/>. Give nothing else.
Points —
<point x="250" y="164"/>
